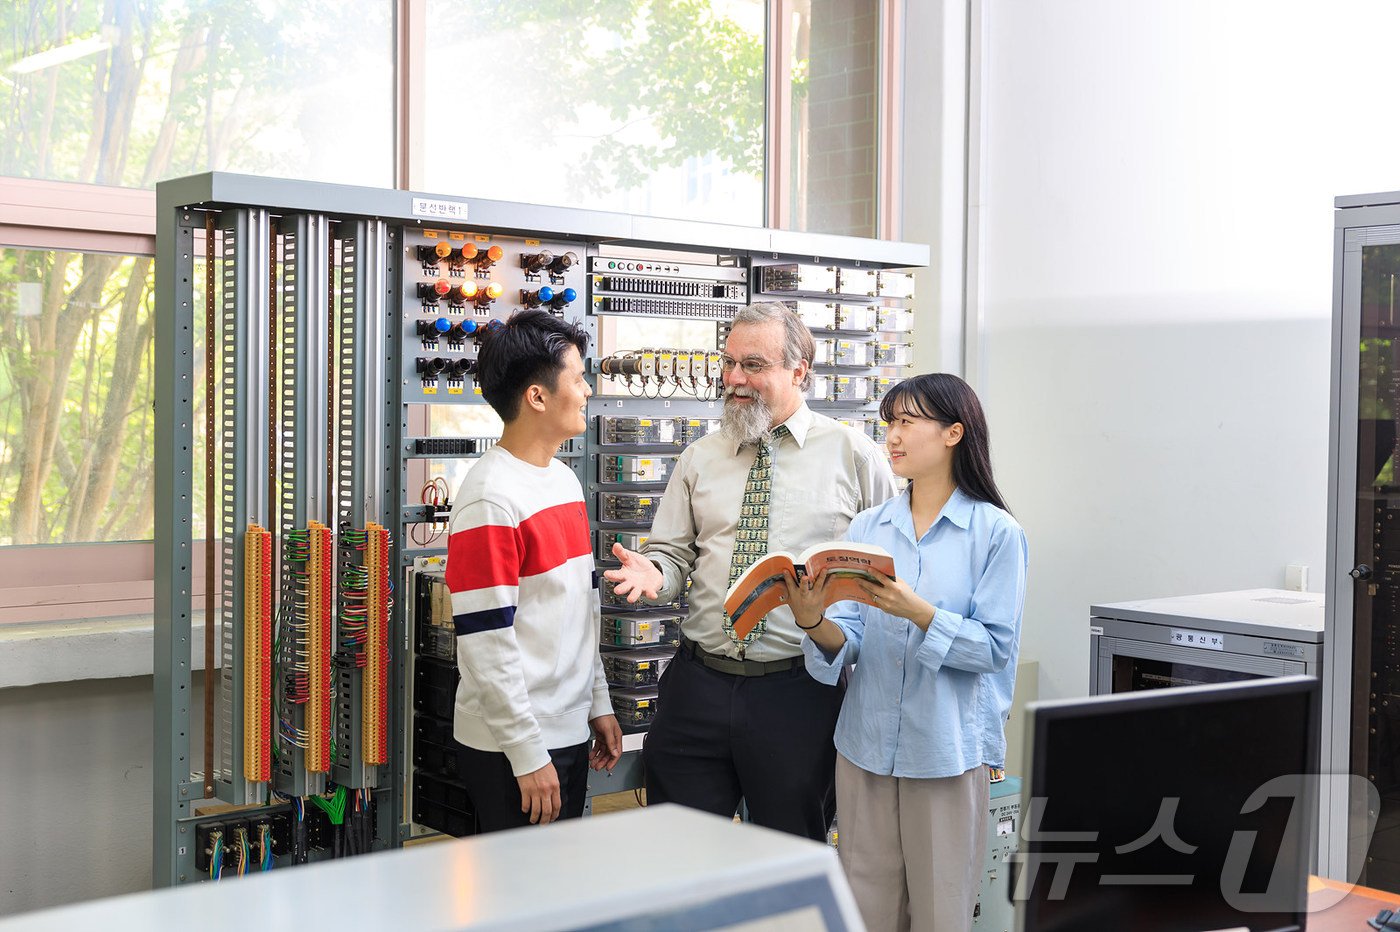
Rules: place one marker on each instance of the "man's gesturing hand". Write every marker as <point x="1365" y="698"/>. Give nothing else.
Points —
<point x="638" y="576"/>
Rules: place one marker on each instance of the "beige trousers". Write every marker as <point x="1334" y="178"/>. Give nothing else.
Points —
<point x="912" y="849"/>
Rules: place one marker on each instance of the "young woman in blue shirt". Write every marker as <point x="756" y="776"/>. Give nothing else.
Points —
<point x="935" y="657"/>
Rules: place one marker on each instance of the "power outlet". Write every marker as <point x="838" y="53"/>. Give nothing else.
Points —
<point x="1295" y="577"/>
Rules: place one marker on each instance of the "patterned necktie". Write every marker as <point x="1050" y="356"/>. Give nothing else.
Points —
<point x="751" y="536"/>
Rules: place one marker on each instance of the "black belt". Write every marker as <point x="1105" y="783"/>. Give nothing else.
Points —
<point x="733" y="667"/>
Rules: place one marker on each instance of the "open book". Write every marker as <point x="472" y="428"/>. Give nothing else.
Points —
<point x="760" y="589"/>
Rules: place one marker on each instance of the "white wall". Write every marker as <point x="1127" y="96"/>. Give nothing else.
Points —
<point x="75" y="790"/>
<point x="1155" y="280"/>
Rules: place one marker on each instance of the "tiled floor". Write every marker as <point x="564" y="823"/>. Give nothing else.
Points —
<point x="617" y="802"/>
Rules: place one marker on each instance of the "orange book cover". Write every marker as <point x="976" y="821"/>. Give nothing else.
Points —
<point x="760" y="588"/>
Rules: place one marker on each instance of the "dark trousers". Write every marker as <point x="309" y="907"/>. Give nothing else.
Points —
<point x="719" y="738"/>
<point x="495" y="793"/>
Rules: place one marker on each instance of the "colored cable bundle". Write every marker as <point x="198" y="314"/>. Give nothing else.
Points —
<point x="354" y="610"/>
<point x="334" y="808"/>
<point x="240" y="836"/>
<point x="296" y="664"/>
<point x="435" y="493"/>
<point x="299" y="846"/>
<point x="265" y="847"/>
<point x="363" y="836"/>
<point x="216" y="855"/>
<point x="306" y="649"/>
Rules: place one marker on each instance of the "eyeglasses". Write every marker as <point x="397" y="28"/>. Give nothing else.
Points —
<point x="751" y="366"/>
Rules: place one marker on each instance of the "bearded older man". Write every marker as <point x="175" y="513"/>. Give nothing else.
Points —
<point x="740" y="718"/>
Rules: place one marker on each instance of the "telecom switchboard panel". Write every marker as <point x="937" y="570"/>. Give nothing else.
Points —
<point x="327" y="338"/>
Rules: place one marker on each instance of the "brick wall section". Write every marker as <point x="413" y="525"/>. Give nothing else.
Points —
<point x="841" y="113"/>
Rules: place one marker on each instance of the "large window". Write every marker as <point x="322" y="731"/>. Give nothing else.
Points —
<point x="832" y="52"/>
<point x="736" y="111"/>
<point x="640" y="106"/>
<point x="127" y="92"/>
<point x="76" y="429"/>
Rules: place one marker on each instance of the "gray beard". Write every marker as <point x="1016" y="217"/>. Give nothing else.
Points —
<point x="746" y="423"/>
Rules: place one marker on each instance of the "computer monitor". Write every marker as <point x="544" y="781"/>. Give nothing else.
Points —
<point x="1180" y="809"/>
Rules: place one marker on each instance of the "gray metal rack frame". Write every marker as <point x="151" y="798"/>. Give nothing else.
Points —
<point x="378" y="221"/>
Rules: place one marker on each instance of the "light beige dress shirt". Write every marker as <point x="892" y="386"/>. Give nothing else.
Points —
<point x="824" y="473"/>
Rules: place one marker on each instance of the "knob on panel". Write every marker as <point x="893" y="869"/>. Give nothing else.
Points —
<point x="563" y="262"/>
<point x="534" y="262"/>
<point x="431" y="254"/>
<point x="431" y="291"/>
<point x="484" y="259"/>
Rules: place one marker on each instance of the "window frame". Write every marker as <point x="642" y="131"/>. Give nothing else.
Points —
<point x="889" y="110"/>
<point x="37" y="582"/>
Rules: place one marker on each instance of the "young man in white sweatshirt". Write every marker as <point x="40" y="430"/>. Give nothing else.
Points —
<point x="524" y="590"/>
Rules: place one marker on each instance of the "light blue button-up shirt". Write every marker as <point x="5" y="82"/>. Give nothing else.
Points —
<point x="932" y="704"/>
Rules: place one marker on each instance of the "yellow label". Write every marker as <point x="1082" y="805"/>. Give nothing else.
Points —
<point x="644" y="501"/>
<point x="532" y="242"/>
<point x="693" y="422"/>
<point x="482" y="238"/>
<point x="454" y="391"/>
<point x="430" y="389"/>
<point x="451" y="235"/>
<point x="430" y="234"/>
<point x="645" y="422"/>
<point x="476" y="390"/>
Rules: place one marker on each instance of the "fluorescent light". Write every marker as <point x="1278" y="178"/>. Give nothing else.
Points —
<point x="60" y="55"/>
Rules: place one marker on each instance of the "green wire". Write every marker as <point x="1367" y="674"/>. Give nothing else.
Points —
<point x="334" y="807"/>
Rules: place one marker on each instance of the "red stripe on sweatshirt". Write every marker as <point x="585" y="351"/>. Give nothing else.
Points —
<point x="483" y="556"/>
<point x="553" y="536"/>
<point x="499" y="555"/>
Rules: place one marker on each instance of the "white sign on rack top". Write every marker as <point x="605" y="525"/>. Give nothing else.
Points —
<point x="1205" y="639"/>
<point x="443" y="210"/>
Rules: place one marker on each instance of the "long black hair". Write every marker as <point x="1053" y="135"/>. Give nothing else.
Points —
<point x="949" y="400"/>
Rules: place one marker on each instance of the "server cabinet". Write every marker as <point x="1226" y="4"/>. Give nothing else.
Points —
<point x="1219" y="637"/>
<point x="1361" y="736"/>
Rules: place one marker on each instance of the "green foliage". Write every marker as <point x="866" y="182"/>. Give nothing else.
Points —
<point x="83" y="470"/>
<point x="180" y="87"/>
<point x="690" y="72"/>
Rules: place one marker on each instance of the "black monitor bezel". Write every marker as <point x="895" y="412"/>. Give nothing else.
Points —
<point x="1041" y="715"/>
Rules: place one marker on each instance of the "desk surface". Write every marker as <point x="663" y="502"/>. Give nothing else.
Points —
<point x="1339" y="907"/>
<point x="657" y="868"/>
